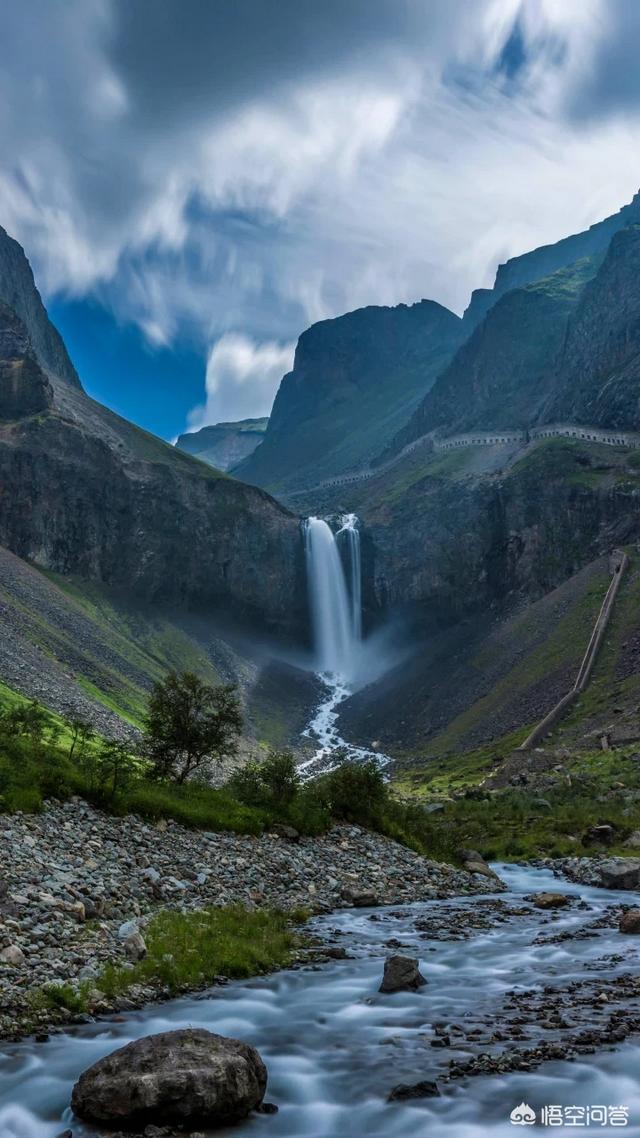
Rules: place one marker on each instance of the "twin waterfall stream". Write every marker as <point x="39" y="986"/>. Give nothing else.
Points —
<point x="336" y="619"/>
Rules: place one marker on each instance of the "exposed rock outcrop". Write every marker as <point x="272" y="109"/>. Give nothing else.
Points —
<point x="24" y="387"/>
<point x="18" y="291"/>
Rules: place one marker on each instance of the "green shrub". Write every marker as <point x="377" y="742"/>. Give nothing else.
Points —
<point x="65" y="996"/>
<point x="272" y="784"/>
<point x="355" y="792"/>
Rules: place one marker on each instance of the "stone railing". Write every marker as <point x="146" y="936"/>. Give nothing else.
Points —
<point x="501" y="437"/>
<point x="609" y="437"/>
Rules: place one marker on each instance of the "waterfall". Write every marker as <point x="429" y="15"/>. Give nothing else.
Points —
<point x="331" y="608"/>
<point x="336" y="618"/>
<point x="350" y="529"/>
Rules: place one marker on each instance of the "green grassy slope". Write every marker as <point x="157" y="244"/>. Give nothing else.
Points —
<point x="83" y="648"/>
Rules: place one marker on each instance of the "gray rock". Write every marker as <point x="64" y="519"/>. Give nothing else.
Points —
<point x="599" y="835"/>
<point x="360" y="898"/>
<point x="401" y="974"/>
<point x="127" y="929"/>
<point x="12" y="955"/>
<point x="135" y="947"/>
<point x="177" y="1077"/>
<point x="424" y="1089"/>
<point x="550" y="900"/>
<point x="620" y="873"/>
<point x="630" y="922"/>
<point x="289" y="833"/>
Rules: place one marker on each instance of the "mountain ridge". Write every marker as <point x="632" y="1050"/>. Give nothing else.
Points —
<point x="355" y="380"/>
<point x="83" y="491"/>
<point x="224" y="445"/>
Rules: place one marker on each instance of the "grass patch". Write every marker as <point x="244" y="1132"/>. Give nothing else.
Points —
<point x="188" y="950"/>
<point x="195" y="806"/>
<point x="512" y="824"/>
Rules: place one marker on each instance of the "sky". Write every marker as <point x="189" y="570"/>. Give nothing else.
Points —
<point x="197" y="181"/>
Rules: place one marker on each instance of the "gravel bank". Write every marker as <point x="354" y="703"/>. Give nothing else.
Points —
<point x="72" y="877"/>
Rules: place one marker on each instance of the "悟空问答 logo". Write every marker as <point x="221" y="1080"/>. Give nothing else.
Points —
<point x="522" y="1115"/>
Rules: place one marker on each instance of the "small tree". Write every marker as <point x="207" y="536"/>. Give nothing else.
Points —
<point x="116" y="767"/>
<point x="108" y="768"/>
<point x="355" y="792"/>
<point x="29" y="719"/>
<point x="274" y="782"/>
<point x="189" y="725"/>
<point x="81" y="734"/>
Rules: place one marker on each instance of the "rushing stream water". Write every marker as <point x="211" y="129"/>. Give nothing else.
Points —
<point x="334" y="1046"/>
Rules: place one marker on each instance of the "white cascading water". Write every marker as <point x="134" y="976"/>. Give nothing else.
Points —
<point x="331" y="611"/>
<point x="336" y="619"/>
<point x="351" y="532"/>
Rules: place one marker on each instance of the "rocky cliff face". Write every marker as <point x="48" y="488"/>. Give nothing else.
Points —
<point x="84" y="492"/>
<point x="449" y="546"/>
<point x="598" y="374"/>
<point x="505" y="374"/>
<point x="24" y="388"/>
<point x="224" y="445"/>
<point x="18" y="291"/>
<point x="354" y="384"/>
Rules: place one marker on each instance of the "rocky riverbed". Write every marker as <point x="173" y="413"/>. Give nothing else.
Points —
<point x="526" y="1000"/>
<point x="77" y="884"/>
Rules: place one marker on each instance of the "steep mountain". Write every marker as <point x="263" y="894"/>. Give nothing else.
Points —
<point x="18" y="292"/>
<point x="506" y="373"/>
<point x="84" y="492"/>
<point x="92" y="652"/>
<point x="566" y="348"/>
<point x="543" y="262"/>
<point x="224" y="445"/>
<point x="355" y="382"/>
<point x="598" y="374"/>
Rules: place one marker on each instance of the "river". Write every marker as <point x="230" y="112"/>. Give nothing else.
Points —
<point x="334" y="1046"/>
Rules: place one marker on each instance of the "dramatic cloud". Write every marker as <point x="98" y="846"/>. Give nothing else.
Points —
<point x="242" y="379"/>
<point x="226" y="173"/>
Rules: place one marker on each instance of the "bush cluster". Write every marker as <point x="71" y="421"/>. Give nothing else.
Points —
<point x="188" y="729"/>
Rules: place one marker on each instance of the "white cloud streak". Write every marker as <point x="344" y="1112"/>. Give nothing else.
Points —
<point x="242" y="379"/>
<point x="368" y="170"/>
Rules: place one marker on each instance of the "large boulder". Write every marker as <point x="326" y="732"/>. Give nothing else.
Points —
<point x="176" y="1077"/>
<point x="360" y="898"/>
<point x="401" y="974"/>
<point x="630" y="922"/>
<point x="474" y="862"/>
<point x="603" y="835"/>
<point x="550" y="900"/>
<point x="620" y="873"/>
